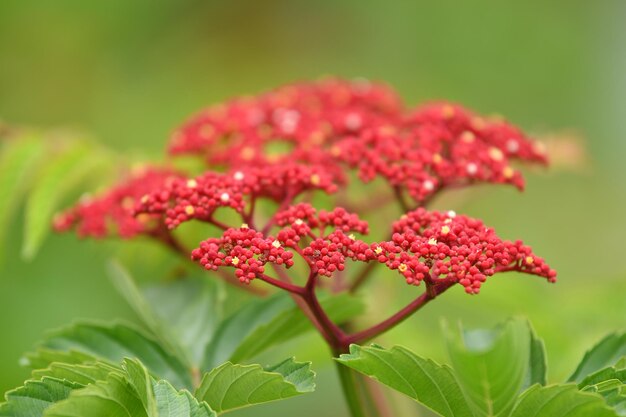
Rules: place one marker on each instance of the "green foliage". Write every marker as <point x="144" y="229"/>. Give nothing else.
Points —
<point x="93" y="383"/>
<point x="491" y="365"/>
<point x="18" y="160"/>
<point x="186" y="317"/>
<point x="491" y="374"/>
<point x="132" y="392"/>
<point x="35" y="396"/>
<point x="58" y="177"/>
<point x="608" y="351"/>
<point x="609" y="382"/>
<point x="290" y="323"/>
<point x="560" y="401"/>
<point x="424" y="380"/>
<point x="182" y="315"/>
<point x="231" y="386"/>
<point x="113" y="343"/>
<point x="40" y="170"/>
<point x="90" y="369"/>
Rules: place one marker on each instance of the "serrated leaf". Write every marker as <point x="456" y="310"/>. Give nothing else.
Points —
<point x="129" y="393"/>
<point x="609" y="382"/>
<point x="42" y="358"/>
<point x="83" y="374"/>
<point x="604" y="353"/>
<point x="59" y="176"/>
<point x="112" y="343"/>
<point x="292" y="323"/>
<point x="560" y="401"/>
<point x="34" y="397"/>
<point x="232" y="386"/>
<point x="611" y="372"/>
<point x="240" y="325"/>
<point x="18" y="158"/>
<point x="172" y="403"/>
<point x="491" y="365"/>
<point x="423" y="380"/>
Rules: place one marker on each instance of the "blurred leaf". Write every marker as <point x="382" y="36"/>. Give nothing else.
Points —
<point x="538" y="364"/>
<point x="191" y="308"/>
<point x="231" y="386"/>
<point x="18" y="159"/>
<point x="130" y="393"/>
<point x="292" y="323"/>
<point x="603" y="354"/>
<point x="158" y="327"/>
<point x="241" y="324"/>
<point x="560" y="401"/>
<point x="113" y="343"/>
<point x="59" y="176"/>
<point x="42" y="358"/>
<point x="425" y="381"/>
<point x="491" y="365"/>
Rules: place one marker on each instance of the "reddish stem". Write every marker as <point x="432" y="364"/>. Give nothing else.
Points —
<point x="295" y="289"/>
<point x="331" y="332"/>
<point x="398" y="317"/>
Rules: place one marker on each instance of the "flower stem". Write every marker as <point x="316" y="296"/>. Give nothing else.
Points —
<point x="400" y="316"/>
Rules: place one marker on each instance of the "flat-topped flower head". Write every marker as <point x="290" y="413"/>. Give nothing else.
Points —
<point x="303" y="114"/>
<point x="438" y="146"/>
<point x="112" y="212"/>
<point x="198" y="198"/>
<point x="245" y="249"/>
<point x="445" y="246"/>
<point x="184" y="199"/>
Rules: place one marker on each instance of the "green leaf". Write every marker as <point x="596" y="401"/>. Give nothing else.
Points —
<point x="424" y="380"/>
<point x="538" y="364"/>
<point x="603" y="354"/>
<point x="112" y="343"/>
<point x="491" y="365"/>
<point x="83" y="374"/>
<point x="611" y="372"/>
<point x="18" y="159"/>
<point x="129" y="393"/>
<point x="231" y="386"/>
<point x="183" y="315"/>
<point x="241" y="324"/>
<point x="35" y="396"/>
<point x="191" y="308"/>
<point x="42" y="358"/>
<point x="609" y="382"/>
<point x="292" y="323"/>
<point x="560" y="401"/>
<point x="59" y="176"/>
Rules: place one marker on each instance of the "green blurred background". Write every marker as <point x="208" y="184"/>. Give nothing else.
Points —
<point x="126" y="72"/>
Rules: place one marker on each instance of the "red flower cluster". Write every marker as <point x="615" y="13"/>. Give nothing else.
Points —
<point x="339" y="124"/>
<point x="185" y="199"/>
<point x="304" y="115"/>
<point x="113" y="211"/>
<point x="425" y="246"/>
<point x="244" y="249"/>
<point x="307" y="137"/>
<point x="435" y="245"/>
